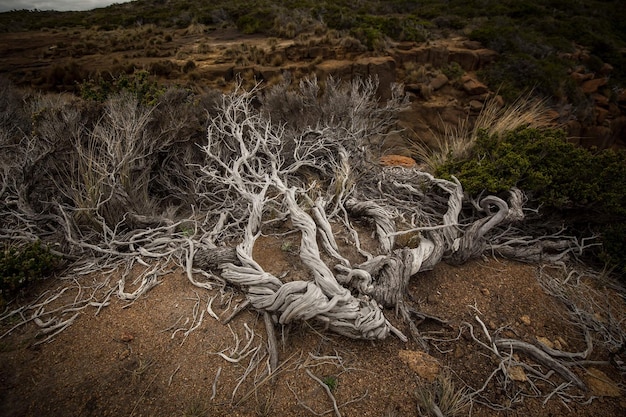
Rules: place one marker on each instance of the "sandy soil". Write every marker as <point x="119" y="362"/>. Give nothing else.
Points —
<point x="138" y="359"/>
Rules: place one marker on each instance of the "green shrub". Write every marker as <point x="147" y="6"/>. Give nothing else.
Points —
<point x="582" y="187"/>
<point x="139" y="84"/>
<point x="614" y="247"/>
<point x="20" y="266"/>
<point x="551" y="170"/>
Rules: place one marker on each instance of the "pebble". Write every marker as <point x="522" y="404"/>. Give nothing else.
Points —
<point x="525" y="319"/>
<point x="127" y="337"/>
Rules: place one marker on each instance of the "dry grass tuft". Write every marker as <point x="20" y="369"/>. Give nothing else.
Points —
<point x="457" y="142"/>
<point x="441" y="398"/>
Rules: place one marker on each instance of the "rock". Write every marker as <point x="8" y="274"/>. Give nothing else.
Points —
<point x="385" y="70"/>
<point x="472" y="86"/>
<point x="545" y="341"/>
<point x="397" y="160"/>
<point x="438" y="56"/>
<point x="600" y="384"/>
<point x="600" y="99"/>
<point x="467" y="59"/>
<point x="592" y="86"/>
<point x="486" y="57"/>
<point x="432" y="299"/>
<point x="225" y="71"/>
<point x="475" y="105"/>
<point x="516" y="373"/>
<point x="485" y="292"/>
<point x="601" y="115"/>
<point x="580" y="77"/>
<point x="439" y="81"/>
<point x="600" y="137"/>
<point x="473" y="45"/>
<point x="424" y="365"/>
<point x="525" y="319"/>
<point x="606" y="69"/>
<point x="126" y="337"/>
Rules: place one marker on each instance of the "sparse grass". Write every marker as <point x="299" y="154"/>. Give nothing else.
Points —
<point x="141" y="368"/>
<point x="441" y="397"/>
<point x="265" y="403"/>
<point x="331" y="382"/>
<point x="196" y="408"/>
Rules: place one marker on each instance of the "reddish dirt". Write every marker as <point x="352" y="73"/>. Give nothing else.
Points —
<point x="131" y="360"/>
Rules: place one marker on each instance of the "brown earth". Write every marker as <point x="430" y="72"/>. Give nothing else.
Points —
<point x="135" y="359"/>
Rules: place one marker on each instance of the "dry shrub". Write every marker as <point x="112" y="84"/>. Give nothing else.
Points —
<point x="441" y="397"/>
<point x="195" y="28"/>
<point x="350" y="106"/>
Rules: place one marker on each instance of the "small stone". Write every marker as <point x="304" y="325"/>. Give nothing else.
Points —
<point x="516" y="373"/>
<point x="475" y="105"/>
<point x="432" y="299"/>
<point x="485" y="292"/>
<point x="397" y="160"/>
<point x="591" y="86"/>
<point x="557" y="345"/>
<point x="439" y="81"/>
<point x="127" y="337"/>
<point x="472" y="86"/>
<point x="600" y="384"/>
<point x="421" y="363"/>
<point x="125" y="354"/>
<point x="525" y="319"/>
<point x="545" y="341"/>
<point x="459" y="352"/>
<point x="509" y="334"/>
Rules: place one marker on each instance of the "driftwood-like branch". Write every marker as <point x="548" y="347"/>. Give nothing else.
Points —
<point x="125" y="190"/>
<point x="542" y="358"/>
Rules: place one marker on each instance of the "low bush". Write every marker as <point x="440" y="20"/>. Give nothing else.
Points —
<point x="582" y="187"/>
<point x="23" y="265"/>
<point x="139" y="84"/>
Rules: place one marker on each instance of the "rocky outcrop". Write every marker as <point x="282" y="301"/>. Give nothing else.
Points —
<point x="468" y="55"/>
<point x="602" y="123"/>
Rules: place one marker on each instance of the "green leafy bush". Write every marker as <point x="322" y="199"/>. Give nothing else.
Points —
<point x="20" y="266"/>
<point x="614" y="247"/>
<point x="139" y="84"/>
<point x="584" y="187"/>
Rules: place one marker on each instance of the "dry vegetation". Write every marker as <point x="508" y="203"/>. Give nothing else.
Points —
<point x="192" y="182"/>
<point x="223" y="180"/>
